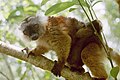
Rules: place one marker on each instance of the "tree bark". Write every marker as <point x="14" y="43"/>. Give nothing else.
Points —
<point x="41" y="62"/>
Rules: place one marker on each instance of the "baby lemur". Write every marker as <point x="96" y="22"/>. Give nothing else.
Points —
<point x="72" y="40"/>
<point x="88" y="50"/>
<point x="54" y="33"/>
<point x="83" y="37"/>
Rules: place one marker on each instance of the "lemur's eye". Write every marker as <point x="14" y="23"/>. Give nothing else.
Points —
<point x="25" y="32"/>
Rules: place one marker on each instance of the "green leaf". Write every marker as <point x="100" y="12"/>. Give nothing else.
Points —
<point x="95" y="2"/>
<point x="58" y="7"/>
<point x="10" y="37"/>
<point x="114" y="71"/>
<point x="13" y="16"/>
<point x="75" y="1"/>
<point x="72" y="9"/>
<point x="47" y="75"/>
<point x="19" y="61"/>
<point x="31" y="9"/>
<point x="29" y="2"/>
<point x="82" y="2"/>
<point x="44" y="2"/>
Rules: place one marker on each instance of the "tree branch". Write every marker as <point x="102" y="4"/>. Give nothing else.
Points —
<point x="41" y="62"/>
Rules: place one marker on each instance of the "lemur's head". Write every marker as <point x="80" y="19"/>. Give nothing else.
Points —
<point x="32" y="27"/>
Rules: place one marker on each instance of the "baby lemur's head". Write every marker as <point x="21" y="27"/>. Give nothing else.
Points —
<point x="32" y="27"/>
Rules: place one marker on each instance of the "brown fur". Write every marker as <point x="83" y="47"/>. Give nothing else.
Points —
<point x="92" y="52"/>
<point x="55" y="35"/>
<point x="72" y="42"/>
<point x="83" y="37"/>
<point x="88" y="50"/>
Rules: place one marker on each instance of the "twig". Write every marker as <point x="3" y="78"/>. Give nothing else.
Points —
<point x="93" y="10"/>
<point x="89" y="9"/>
<point x="8" y="65"/>
<point x="4" y="75"/>
<point x="23" y="76"/>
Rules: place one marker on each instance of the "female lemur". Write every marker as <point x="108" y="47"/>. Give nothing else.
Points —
<point x="54" y="33"/>
<point x="72" y="40"/>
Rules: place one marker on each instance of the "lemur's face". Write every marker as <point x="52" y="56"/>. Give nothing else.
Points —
<point x="32" y="31"/>
<point x="30" y="28"/>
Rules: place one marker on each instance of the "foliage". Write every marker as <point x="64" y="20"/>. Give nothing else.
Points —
<point x="59" y="7"/>
<point x="44" y="2"/>
<point x="113" y="18"/>
<point x="114" y="71"/>
<point x="21" y="11"/>
<point x="13" y="12"/>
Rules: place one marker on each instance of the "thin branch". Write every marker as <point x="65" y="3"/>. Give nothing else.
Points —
<point x="92" y="10"/>
<point x="89" y="9"/>
<point x="23" y="76"/>
<point x="4" y="75"/>
<point x="41" y="62"/>
<point x="9" y="68"/>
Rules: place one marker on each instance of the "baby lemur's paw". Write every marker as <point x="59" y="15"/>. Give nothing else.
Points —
<point x="56" y="69"/>
<point x="81" y="70"/>
<point x="98" y="79"/>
